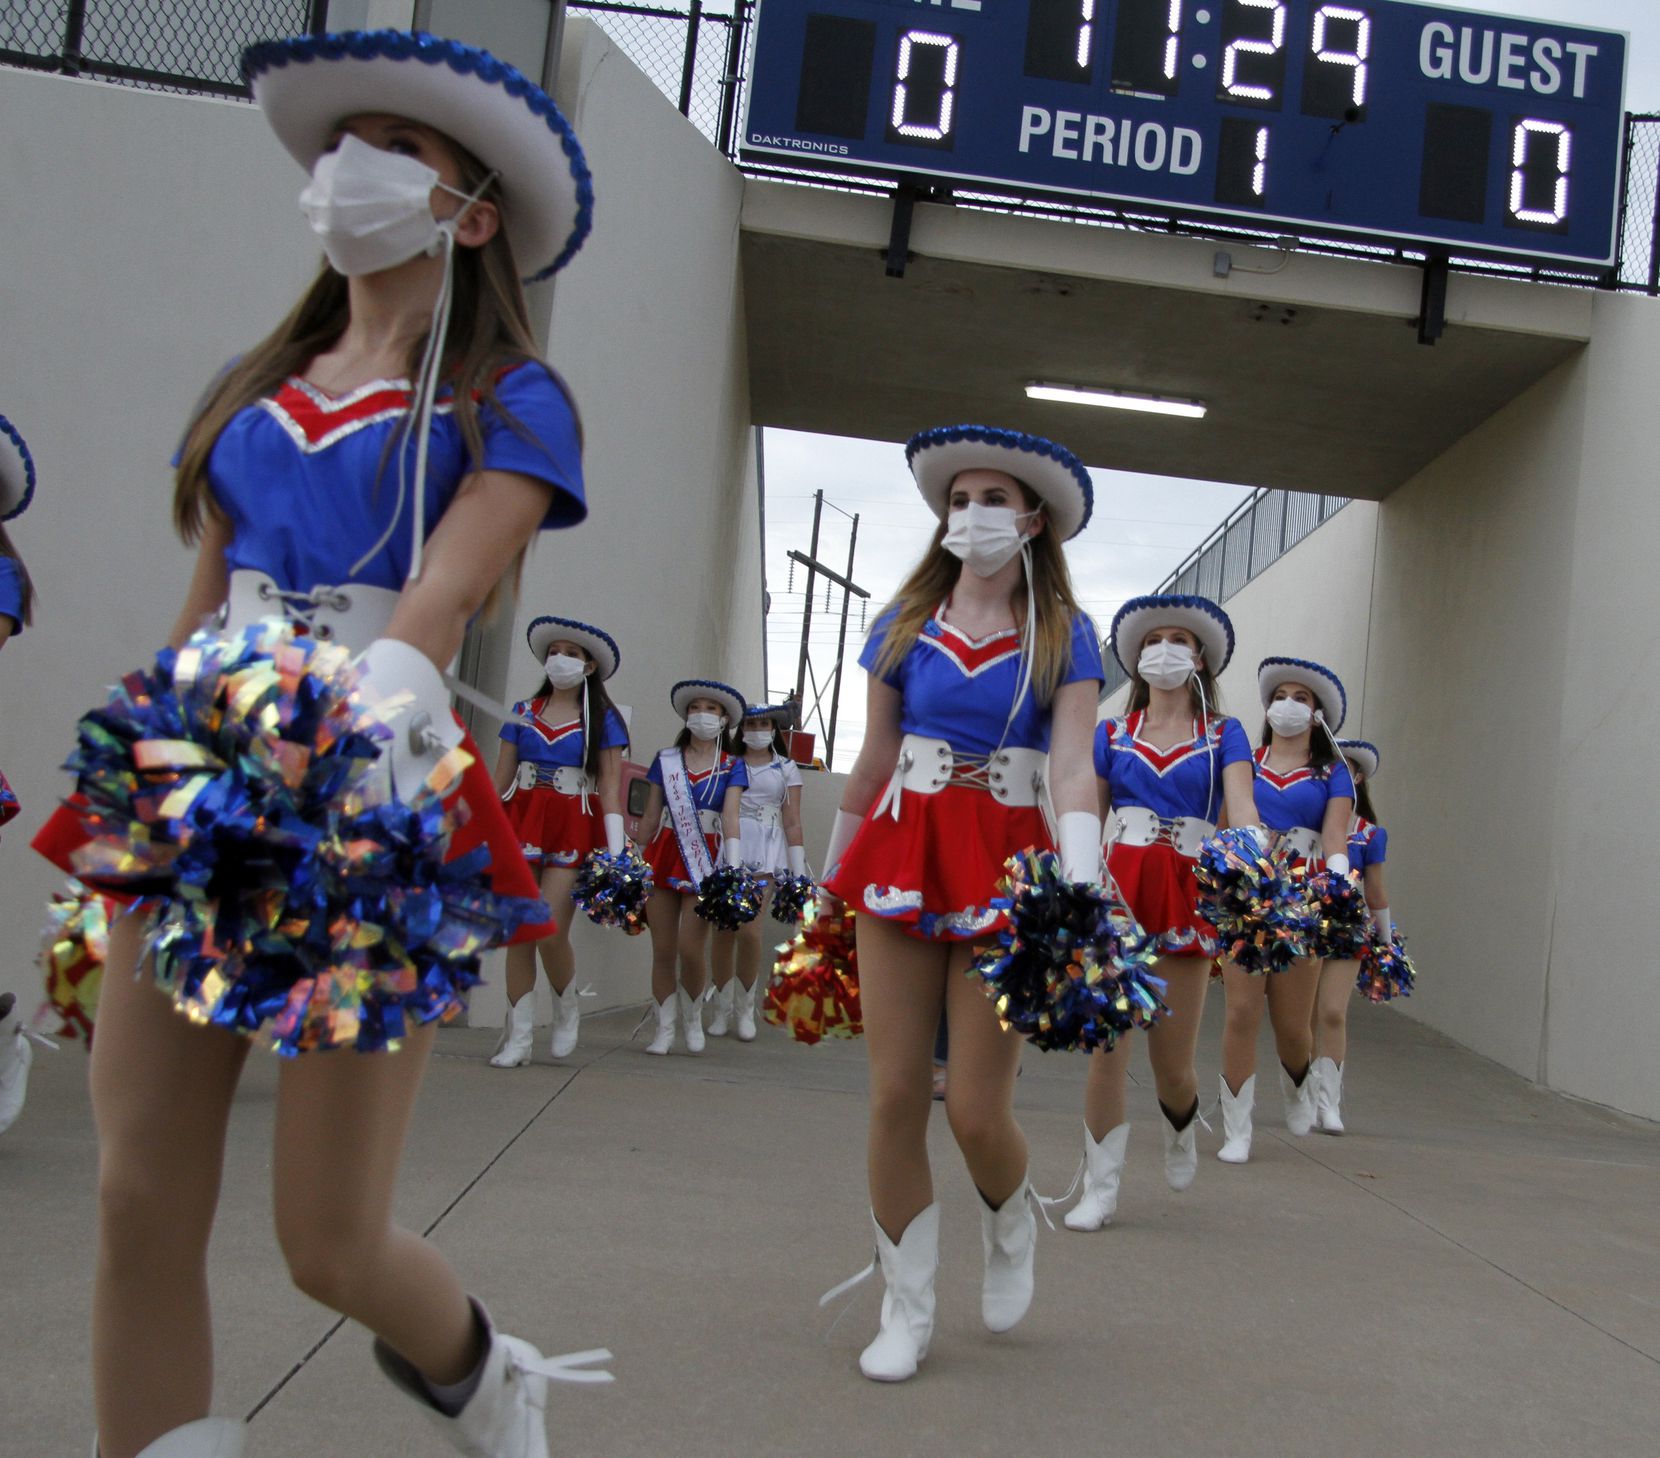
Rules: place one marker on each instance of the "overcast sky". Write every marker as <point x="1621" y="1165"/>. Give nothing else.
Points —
<point x="1143" y="525"/>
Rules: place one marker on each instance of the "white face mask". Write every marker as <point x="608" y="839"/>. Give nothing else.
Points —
<point x="1166" y="665"/>
<point x="984" y="538"/>
<point x="758" y="738"/>
<point x="1288" y="717"/>
<point x="373" y="209"/>
<point x="565" y="671"/>
<point x="705" y="726"/>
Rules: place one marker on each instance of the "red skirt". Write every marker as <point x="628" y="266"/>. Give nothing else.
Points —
<point x="668" y="866"/>
<point x="553" y="829"/>
<point x="482" y="822"/>
<point x="935" y="870"/>
<point x="1157" y="882"/>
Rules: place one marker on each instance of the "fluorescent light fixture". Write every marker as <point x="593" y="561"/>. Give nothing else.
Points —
<point x="1117" y="400"/>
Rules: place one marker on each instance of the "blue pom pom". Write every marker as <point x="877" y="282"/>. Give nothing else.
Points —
<point x="730" y="897"/>
<point x="790" y="895"/>
<point x="1262" y="917"/>
<point x="235" y="788"/>
<point x="1073" y="967"/>
<point x="1338" y="906"/>
<point x="1386" y="972"/>
<point x="613" y="890"/>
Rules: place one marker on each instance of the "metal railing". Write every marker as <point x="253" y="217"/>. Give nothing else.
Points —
<point x="169" y="45"/>
<point x="1255" y="536"/>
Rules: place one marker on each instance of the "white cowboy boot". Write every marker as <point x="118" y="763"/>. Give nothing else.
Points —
<point x="567" y="1019"/>
<point x="1327" y="1076"/>
<point x="908" y="1300"/>
<point x="205" y="1438"/>
<point x="1299" y="1101"/>
<point x="691" y="1020"/>
<point x="517" y="1034"/>
<point x="663" y="1039"/>
<point x="1103" y="1167"/>
<point x="1181" y="1151"/>
<point x="503" y="1418"/>
<point x="1236" y="1121"/>
<point x="720" y="1009"/>
<point x="1009" y="1235"/>
<point x="744" y="1000"/>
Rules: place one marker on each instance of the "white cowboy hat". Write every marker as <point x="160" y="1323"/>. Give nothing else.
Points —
<point x="937" y="457"/>
<point x="596" y="643"/>
<point x="1199" y="615"/>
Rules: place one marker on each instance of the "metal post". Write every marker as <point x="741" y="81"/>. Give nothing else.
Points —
<point x="841" y="648"/>
<point x="807" y="616"/>
<point x="1654" y="238"/>
<point x="688" y="68"/>
<point x="1251" y="542"/>
<point x="74" y="23"/>
<point x="317" y="19"/>
<point x="733" y="78"/>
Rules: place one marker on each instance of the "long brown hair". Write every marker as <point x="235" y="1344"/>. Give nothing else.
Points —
<point x="932" y="579"/>
<point x="1363" y="795"/>
<point x="25" y="583"/>
<point x="489" y="333"/>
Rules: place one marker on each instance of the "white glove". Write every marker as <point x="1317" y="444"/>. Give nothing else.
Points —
<point x="841" y="836"/>
<point x="1338" y="864"/>
<point x="798" y="860"/>
<point x="1384" y="924"/>
<point x="615" y="836"/>
<point x="404" y="688"/>
<point x="1258" y="833"/>
<point x="1079" y="834"/>
<point x="732" y="852"/>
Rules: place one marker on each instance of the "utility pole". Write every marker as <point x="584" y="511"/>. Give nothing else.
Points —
<point x="850" y="590"/>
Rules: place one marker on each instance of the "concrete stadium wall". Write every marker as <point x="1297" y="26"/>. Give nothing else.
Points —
<point x="1493" y="622"/>
<point x="172" y="239"/>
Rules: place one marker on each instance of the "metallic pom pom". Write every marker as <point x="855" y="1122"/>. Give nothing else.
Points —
<point x="1385" y="971"/>
<point x="1342" y="928"/>
<point x="730" y="897"/>
<point x="1072" y="970"/>
<point x="236" y="787"/>
<point x="814" y="989"/>
<point x="614" y="890"/>
<point x="790" y="895"/>
<point x="72" y="952"/>
<point x="1260" y="911"/>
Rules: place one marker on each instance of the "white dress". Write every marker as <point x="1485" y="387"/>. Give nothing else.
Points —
<point x="761" y="816"/>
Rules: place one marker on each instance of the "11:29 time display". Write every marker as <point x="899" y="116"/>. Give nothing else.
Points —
<point x="1381" y="117"/>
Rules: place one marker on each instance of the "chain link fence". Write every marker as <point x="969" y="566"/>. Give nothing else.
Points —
<point x="1638" y="265"/>
<point x="695" y="57"/>
<point x="172" y="45"/>
<point x="1247" y="544"/>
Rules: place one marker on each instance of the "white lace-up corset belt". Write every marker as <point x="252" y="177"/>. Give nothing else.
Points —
<point x="926" y="766"/>
<point x="354" y="613"/>
<point x="770" y="816"/>
<point x="1137" y="825"/>
<point x="568" y="779"/>
<point x="1301" y="841"/>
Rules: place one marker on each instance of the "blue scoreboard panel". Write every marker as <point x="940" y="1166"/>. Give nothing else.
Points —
<point x="1383" y="119"/>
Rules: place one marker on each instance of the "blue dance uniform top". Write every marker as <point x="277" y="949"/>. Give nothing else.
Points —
<point x="553" y="746"/>
<point x="11" y="593"/>
<point x="1286" y="802"/>
<point x="709" y="786"/>
<point x="959" y="689"/>
<point x="1368" y="845"/>
<point x="300" y="475"/>
<point x="1184" y="780"/>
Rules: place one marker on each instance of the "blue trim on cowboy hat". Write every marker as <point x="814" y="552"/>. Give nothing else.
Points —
<point x="1325" y="685"/>
<point x="780" y="714"/>
<point x="598" y="644"/>
<point x="1199" y="615"/>
<point x="308" y="84"/>
<point x="938" y="456"/>
<point x="728" y="697"/>
<point x="1364" y="753"/>
<point x="17" y="472"/>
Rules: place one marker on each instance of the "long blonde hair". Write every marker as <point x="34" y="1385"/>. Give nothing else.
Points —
<point x="490" y="332"/>
<point x="932" y="579"/>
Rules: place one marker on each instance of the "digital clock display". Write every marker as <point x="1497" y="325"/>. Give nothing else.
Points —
<point x="1387" y="120"/>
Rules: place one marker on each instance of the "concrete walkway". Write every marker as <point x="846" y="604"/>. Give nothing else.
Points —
<point x="1474" y="1270"/>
